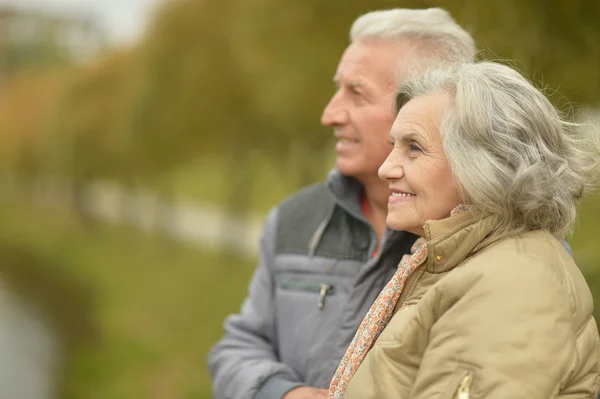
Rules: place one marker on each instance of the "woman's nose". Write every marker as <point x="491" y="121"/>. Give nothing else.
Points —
<point x="391" y="168"/>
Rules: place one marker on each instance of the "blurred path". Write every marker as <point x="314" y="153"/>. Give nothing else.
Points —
<point x="195" y="223"/>
<point x="200" y="224"/>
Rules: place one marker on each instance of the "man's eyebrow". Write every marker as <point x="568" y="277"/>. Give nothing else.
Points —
<point x="347" y="82"/>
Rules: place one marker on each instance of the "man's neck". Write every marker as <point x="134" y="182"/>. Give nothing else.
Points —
<point x="377" y="193"/>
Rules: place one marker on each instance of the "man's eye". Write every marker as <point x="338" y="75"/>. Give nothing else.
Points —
<point x="392" y="142"/>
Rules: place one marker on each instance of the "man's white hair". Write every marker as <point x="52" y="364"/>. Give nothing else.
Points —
<point x="433" y="27"/>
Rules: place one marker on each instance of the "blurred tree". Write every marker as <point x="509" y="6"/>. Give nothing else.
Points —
<point x="250" y="78"/>
<point x="31" y="39"/>
<point x="236" y="78"/>
<point x="89" y="116"/>
<point x="26" y="107"/>
<point x="556" y="43"/>
<point x="86" y="140"/>
<point x="191" y="95"/>
<point x="243" y="77"/>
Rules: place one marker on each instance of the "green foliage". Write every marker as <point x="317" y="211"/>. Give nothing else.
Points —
<point x="242" y="77"/>
<point x="86" y="139"/>
<point x="556" y="43"/>
<point x="26" y="108"/>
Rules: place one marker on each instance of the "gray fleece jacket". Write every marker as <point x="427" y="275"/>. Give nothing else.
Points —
<point x="314" y="283"/>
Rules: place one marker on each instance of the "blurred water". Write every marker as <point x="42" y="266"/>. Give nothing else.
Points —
<point x="29" y="352"/>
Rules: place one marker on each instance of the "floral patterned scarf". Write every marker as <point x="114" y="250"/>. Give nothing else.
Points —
<point x="379" y="316"/>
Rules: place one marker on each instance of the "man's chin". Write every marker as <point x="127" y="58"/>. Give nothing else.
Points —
<point x="347" y="168"/>
<point x="355" y="169"/>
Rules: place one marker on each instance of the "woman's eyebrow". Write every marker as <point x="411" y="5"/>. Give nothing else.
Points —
<point x="410" y="136"/>
<point x="405" y="137"/>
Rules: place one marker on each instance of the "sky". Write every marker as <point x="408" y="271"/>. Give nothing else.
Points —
<point x="123" y="21"/>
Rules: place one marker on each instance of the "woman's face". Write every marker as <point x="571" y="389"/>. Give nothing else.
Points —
<point x="417" y="171"/>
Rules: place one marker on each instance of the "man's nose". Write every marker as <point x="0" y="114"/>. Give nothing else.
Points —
<point x="335" y="114"/>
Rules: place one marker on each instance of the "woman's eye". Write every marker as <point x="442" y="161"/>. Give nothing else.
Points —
<point x="391" y="142"/>
<point x="414" y="147"/>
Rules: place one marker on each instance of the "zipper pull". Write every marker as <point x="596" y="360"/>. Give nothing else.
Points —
<point x="464" y="387"/>
<point x="322" y="294"/>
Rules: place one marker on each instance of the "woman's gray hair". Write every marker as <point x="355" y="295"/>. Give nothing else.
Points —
<point x="433" y="27"/>
<point x="509" y="149"/>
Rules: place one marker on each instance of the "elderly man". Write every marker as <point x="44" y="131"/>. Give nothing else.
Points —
<point x="326" y="252"/>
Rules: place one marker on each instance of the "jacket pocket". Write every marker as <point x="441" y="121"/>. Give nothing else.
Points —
<point x="322" y="289"/>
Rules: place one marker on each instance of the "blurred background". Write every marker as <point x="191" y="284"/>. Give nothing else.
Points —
<point x="143" y="141"/>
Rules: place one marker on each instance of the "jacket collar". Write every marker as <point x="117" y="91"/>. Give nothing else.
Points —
<point x="347" y="191"/>
<point x="452" y="240"/>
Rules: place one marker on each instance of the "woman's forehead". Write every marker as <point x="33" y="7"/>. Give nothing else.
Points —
<point x="421" y="115"/>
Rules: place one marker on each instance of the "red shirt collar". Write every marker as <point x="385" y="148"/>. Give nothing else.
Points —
<point x="364" y="204"/>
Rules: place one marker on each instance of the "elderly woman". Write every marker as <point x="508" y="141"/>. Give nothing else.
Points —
<point x="491" y="306"/>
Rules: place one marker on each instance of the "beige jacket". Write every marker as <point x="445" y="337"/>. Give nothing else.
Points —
<point x="511" y="320"/>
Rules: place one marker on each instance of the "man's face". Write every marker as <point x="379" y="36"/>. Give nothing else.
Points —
<point x="362" y="109"/>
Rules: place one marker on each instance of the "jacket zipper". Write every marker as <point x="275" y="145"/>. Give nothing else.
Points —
<point x="413" y="283"/>
<point x="322" y="293"/>
<point x="411" y="287"/>
<point x="322" y="289"/>
<point x="464" y="388"/>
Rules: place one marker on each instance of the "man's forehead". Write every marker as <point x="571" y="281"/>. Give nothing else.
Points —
<point x="369" y="63"/>
<point x="361" y="75"/>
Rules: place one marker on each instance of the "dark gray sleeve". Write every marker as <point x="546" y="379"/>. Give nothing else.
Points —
<point x="244" y="364"/>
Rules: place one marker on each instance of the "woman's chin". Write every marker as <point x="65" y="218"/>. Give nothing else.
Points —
<point x="403" y="226"/>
